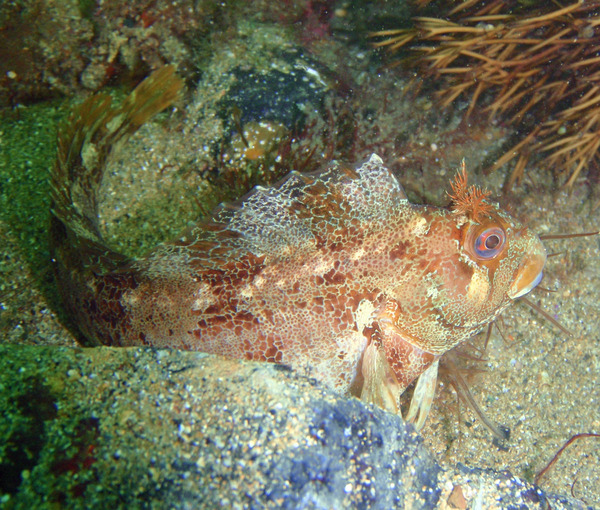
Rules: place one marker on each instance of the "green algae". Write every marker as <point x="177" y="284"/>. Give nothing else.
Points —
<point x="27" y="150"/>
<point x="27" y="153"/>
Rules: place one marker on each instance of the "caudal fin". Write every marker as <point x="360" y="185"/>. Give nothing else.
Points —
<point x="85" y="142"/>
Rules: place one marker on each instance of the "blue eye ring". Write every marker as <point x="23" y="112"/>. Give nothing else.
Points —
<point x="490" y="243"/>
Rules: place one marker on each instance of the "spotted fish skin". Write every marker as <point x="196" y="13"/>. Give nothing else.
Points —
<point x="336" y="274"/>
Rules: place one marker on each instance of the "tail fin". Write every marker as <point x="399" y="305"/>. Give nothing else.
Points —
<point x="84" y="143"/>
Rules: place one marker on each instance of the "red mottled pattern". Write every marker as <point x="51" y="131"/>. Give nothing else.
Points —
<point x="336" y="274"/>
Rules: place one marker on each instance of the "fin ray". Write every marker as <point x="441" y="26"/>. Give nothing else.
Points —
<point x="85" y="141"/>
<point x="304" y="207"/>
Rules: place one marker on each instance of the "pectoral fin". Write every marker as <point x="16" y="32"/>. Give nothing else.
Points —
<point x="380" y="384"/>
<point x="423" y="396"/>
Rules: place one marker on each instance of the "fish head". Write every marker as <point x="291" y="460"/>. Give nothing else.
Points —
<point x="506" y="257"/>
<point x="462" y="275"/>
<point x="511" y="255"/>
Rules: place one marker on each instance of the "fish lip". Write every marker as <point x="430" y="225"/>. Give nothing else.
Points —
<point x="525" y="290"/>
<point x="530" y="272"/>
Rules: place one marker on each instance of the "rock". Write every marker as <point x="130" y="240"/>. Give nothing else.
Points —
<point x="104" y="427"/>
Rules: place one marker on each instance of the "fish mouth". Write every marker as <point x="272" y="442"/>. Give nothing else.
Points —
<point x="530" y="271"/>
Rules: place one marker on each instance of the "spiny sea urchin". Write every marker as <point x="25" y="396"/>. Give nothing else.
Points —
<point x="535" y="65"/>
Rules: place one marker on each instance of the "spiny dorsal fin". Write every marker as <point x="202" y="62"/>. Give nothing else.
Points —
<point x="302" y="207"/>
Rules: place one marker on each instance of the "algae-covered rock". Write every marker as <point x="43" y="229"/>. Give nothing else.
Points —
<point x="140" y="428"/>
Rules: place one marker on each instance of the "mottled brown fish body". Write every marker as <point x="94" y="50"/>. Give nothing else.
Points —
<point x="308" y="309"/>
<point x="336" y="274"/>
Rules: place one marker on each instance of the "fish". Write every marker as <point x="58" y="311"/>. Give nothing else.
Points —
<point x="333" y="273"/>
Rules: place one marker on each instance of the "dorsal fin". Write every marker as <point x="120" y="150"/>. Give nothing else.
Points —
<point x="303" y="207"/>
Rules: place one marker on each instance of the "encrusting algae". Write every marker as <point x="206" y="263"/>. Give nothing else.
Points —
<point x="334" y="273"/>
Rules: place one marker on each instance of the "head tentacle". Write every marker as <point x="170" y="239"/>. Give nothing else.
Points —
<point x="468" y="200"/>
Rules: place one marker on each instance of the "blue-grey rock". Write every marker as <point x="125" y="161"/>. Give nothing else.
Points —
<point x="141" y="428"/>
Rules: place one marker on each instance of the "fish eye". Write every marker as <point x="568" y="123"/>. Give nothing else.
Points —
<point x="490" y="243"/>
